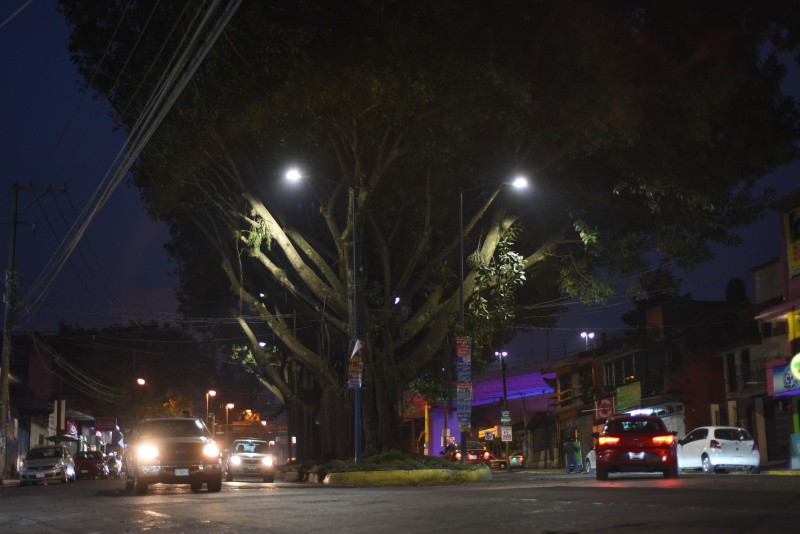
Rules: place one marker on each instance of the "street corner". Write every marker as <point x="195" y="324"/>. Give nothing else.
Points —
<point x="406" y="477"/>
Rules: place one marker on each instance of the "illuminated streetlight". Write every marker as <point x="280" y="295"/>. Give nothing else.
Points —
<point x="141" y="381"/>
<point x="294" y="175"/>
<point x="586" y="337"/>
<point x="209" y="393"/>
<point x="519" y="182"/>
<point x="228" y="406"/>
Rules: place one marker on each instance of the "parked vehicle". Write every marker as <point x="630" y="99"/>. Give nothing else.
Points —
<point x="719" y="449"/>
<point x="635" y="444"/>
<point x="496" y="463"/>
<point x="173" y="450"/>
<point x="250" y="457"/>
<point x="590" y="462"/>
<point x="476" y="454"/>
<point x="517" y="459"/>
<point x="47" y="463"/>
<point x="90" y="464"/>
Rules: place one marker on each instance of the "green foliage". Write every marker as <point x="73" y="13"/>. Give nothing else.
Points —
<point x="492" y="308"/>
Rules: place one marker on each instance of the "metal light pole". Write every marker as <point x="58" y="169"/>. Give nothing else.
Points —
<point x="586" y="337"/>
<point x="294" y="175"/>
<point x="357" y="410"/>
<point x="209" y="393"/>
<point x="519" y="182"/>
<point x="228" y="406"/>
<point x="502" y="355"/>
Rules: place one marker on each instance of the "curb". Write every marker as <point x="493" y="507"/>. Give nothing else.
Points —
<point x="405" y="477"/>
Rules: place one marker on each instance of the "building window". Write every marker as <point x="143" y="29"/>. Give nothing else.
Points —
<point x="747" y="373"/>
<point x="730" y="368"/>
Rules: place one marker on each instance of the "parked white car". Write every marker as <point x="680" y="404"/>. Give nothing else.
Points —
<point x="590" y="462"/>
<point x="718" y="449"/>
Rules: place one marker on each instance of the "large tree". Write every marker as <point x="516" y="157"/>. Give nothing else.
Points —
<point x="643" y="126"/>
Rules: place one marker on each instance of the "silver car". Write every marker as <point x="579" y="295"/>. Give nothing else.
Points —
<point x="719" y="449"/>
<point x="250" y="457"/>
<point x="47" y="463"/>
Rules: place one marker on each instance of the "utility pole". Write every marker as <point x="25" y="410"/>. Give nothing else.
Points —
<point x="8" y="325"/>
<point x="12" y="279"/>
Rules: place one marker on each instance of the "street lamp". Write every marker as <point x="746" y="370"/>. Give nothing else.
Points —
<point x="209" y="393"/>
<point x="228" y="406"/>
<point x="520" y="182"/>
<point x="586" y="337"/>
<point x="140" y="382"/>
<point x="294" y="175"/>
<point x="502" y="356"/>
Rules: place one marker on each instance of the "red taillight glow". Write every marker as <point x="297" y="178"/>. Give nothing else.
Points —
<point x="486" y="455"/>
<point x="607" y="440"/>
<point x="458" y="456"/>
<point x="664" y="440"/>
<point x="714" y="444"/>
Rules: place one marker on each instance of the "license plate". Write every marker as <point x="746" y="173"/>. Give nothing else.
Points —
<point x="84" y="470"/>
<point x="39" y="475"/>
<point x="472" y="457"/>
<point x="251" y="468"/>
<point x="636" y="455"/>
<point x="181" y="472"/>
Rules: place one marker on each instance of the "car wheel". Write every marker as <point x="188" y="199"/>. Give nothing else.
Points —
<point x="601" y="474"/>
<point x="228" y="476"/>
<point x="671" y="473"/>
<point x="128" y="484"/>
<point x="588" y="466"/>
<point x="269" y="478"/>
<point x="753" y="470"/>
<point x="23" y="483"/>
<point x="139" y="486"/>
<point x="214" y="485"/>
<point x="708" y="467"/>
<point x="197" y="486"/>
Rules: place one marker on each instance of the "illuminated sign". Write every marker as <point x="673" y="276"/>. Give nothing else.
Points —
<point x="781" y="382"/>
<point x="794" y="365"/>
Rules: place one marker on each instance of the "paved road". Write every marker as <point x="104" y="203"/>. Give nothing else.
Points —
<point x="516" y="502"/>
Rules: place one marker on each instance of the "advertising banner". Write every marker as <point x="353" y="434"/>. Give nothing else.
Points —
<point x="356" y="366"/>
<point x="781" y="382"/>
<point x="629" y="396"/>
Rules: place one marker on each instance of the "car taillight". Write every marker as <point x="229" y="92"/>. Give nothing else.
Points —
<point x="664" y="440"/>
<point x="486" y="455"/>
<point x="714" y="444"/>
<point x="607" y="440"/>
<point x="458" y="456"/>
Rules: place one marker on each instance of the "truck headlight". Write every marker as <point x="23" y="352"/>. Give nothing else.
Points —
<point x="211" y="450"/>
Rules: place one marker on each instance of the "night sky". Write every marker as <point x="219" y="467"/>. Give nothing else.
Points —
<point x="52" y="134"/>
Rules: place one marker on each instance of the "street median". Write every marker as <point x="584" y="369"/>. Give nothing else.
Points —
<point x="406" y="477"/>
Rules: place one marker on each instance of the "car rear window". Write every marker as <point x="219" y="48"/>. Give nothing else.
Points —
<point x="733" y="434"/>
<point x="636" y="425"/>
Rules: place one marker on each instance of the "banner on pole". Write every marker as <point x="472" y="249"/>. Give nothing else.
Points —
<point x="356" y="366"/>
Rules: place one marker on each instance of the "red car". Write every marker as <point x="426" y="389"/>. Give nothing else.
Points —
<point x="90" y="464"/>
<point x="476" y="454"/>
<point x="633" y="444"/>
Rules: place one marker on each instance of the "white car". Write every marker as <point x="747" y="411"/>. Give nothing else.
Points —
<point x="590" y="462"/>
<point x="718" y="449"/>
<point x="250" y="457"/>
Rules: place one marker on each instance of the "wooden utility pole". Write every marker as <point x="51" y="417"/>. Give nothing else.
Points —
<point x="12" y="278"/>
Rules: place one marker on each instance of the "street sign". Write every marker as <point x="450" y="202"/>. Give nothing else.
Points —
<point x="505" y="433"/>
<point x="505" y="417"/>
<point x="488" y="435"/>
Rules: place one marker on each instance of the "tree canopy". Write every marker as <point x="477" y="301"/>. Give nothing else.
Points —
<point x="643" y="128"/>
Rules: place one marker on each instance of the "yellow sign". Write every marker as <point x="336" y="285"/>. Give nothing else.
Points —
<point x="793" y="241"/>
